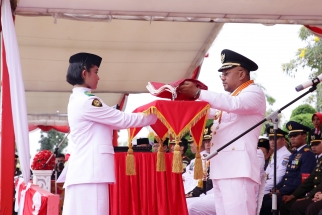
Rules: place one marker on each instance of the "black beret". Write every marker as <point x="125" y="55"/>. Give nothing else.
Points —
<point x="279" y="133"/>
<point x="230" y="59"/>
<point x="86" y="57"/>
<point x="263" y="142"/>
<point x="293" y="126"/>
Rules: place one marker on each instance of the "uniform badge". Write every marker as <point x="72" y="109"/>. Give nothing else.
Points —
<point x="223" y="56"/>
<point x="285" y="161"/>
<point x="97" y="103"/>
<point x="290" y="127"/>
<point x="306" y="149"/>
<point x="88" y="93"/>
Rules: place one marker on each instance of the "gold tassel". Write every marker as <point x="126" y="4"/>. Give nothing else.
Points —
<point x="160" y="159"/>
<point x="177" y="166"/>
<point x="130" y="161"/>
<point x="198" y="170"/>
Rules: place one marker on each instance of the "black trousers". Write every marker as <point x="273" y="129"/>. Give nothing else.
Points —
<point x="267" y="204"/>
<point x="305" y="207"/>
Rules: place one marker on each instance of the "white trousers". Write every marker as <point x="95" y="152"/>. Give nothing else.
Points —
<point x="203" y="205"/>
<point x="235" y="196"/>
<point x="86" y="199"/>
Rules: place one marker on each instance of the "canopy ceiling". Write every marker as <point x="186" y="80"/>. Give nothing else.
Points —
<point x="133" y="51"/>
<point x="139" y="41"/>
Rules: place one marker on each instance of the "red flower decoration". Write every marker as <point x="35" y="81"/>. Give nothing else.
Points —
<point x="41" y="158"/>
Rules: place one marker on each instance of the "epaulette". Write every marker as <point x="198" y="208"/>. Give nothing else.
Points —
<point x="88" y="93"/>
<point x="307" y="149"/>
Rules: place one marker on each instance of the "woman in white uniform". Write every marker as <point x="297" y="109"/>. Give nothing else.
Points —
<point x="91" y="165"/>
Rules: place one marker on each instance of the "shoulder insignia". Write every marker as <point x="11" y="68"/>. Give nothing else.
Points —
<point x="307" y="149"/>
<point x="97" y="103"/>
<point x="88" y="93"/>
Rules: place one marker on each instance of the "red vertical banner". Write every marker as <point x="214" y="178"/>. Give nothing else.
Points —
<point x="7" y="145"/>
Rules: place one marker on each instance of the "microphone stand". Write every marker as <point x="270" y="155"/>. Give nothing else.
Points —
<point x="55" y="153"/>
<point x="274" y="118"/>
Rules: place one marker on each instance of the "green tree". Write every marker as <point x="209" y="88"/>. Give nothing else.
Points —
<point x="302" y="114"/>
<point x="303" y="109"/>
<point x="49" y="140"/>
<point x="310" y="56"/>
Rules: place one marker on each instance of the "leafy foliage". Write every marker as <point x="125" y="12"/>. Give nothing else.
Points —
<point x="49" y="140"/>
<point x="310" y="56"/>
<point x="303" y="109"/>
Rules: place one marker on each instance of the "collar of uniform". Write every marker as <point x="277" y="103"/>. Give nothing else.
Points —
<point x="280" y="150"/>
<point x="81" y="89"/>
<point x="299" y="148"/>
<point x="319" y="156"/>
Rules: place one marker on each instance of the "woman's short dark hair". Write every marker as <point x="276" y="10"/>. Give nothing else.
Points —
<point x="74" y="72"/>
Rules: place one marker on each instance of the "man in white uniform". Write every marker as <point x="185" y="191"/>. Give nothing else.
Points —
<point x="91" y="165"/>
<point x="204" y="205"/>
<point x="282" y="156"/>
<point x="235" y="170"/>
<point x="189" y="183"/>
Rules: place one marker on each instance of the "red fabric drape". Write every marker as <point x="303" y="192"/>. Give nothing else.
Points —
<point x="64" y="129"/>
<point x="7" y="147"/>
<point x="148" y="192"/>
<point x="176" y="117"/>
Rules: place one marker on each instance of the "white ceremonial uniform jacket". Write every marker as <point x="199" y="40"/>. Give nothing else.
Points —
<point x="189" y="182"/>
<point x="282" y="157"/>
<point x="240" y="113"/>
<point x="91" y="130"/>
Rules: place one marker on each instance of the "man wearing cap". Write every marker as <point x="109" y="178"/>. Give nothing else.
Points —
<point x="205" y="204"/>
<point x="282" y="156"/>
<point x="191" y="186"/>
<point x="91" y="165"/>
<point x="237" y="111"/>
<point x="306" y="194"/>
<point x="302" y="160"/>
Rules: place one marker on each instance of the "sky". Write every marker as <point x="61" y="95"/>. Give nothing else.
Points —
<point x="268" y="46"/>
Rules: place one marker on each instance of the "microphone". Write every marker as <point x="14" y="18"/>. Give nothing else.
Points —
<point x="307" y="84"/>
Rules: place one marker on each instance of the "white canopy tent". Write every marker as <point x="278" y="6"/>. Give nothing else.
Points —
<point x="139" y="41"/>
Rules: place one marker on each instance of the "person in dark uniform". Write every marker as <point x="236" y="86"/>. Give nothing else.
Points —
<point x="302" y="160"/>
<point x="306" y="195"/>
<point x="316" y="121"/>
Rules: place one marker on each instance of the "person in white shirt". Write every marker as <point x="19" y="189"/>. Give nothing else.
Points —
<point x="91" y="165"/>
<point x="234" y="170"/>
<point x="282" y="157"/>
<point x="189" y="183"/>
<point x="204" y="205"/>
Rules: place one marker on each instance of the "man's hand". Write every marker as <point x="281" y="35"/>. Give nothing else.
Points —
<point x="317" y="197"/>
<point x="277" y="192"/>
<point x="188" y="88"/>
<point x="286" y="199"/>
